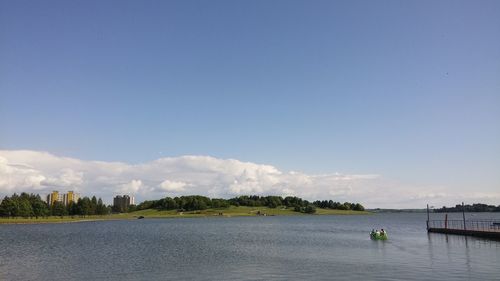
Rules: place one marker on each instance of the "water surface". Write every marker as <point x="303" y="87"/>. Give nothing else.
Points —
<point x="245" y="248"/>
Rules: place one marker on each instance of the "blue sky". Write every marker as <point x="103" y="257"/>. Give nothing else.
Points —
<point x="405" y="89"/>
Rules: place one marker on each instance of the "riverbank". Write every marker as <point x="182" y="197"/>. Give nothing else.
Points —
<point x="241" y="211"/>
<point x="66" y="219"/>
<point x="232" y="211"/>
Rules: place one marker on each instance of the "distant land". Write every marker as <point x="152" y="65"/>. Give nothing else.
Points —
<point x="476" y="207"/>
<point x="30" y="208"/>
<point x="379" y="210"/>
<point x="232" y="211"/>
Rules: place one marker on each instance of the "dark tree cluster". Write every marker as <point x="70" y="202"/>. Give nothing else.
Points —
<point x="196" y="202"/>
<point x="309" y="209"/>
<point x="298" y="204"/>
<point x="183" y="203"/>
<point x="31" y="205"/>
<point x="329" y="204"/>
<point x="24" y="205"/>
<point x="478" y="207"/>
<point x="86" y="207"/>
<point x="266" y="201"/>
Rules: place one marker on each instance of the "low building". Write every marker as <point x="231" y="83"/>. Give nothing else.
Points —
<point x="121" y="203"/>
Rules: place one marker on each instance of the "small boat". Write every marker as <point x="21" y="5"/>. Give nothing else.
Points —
<point x="377" y="235"/>
<point x="140" y="217"/>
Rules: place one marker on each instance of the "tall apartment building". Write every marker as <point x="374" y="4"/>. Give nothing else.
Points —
<point x="53" y="197"/>
<point x="121" y="203"/>
<point x="70" y="197"/>
<point x="65" y="198"/>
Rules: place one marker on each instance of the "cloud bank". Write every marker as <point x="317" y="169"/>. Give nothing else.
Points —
<point x="41" y="172"/>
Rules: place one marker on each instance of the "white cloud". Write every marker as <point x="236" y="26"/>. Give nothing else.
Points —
<point x="41" y="172"/>
<point x="132" y="187"/>
<point x="65" y="178"/>
<point x="173" y="186"/>
<point x="14" y="175"/>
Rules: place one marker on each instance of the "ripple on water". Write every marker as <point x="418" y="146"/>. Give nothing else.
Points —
<point x="251" y="248"/>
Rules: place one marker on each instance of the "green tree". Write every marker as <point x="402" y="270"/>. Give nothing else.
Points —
<point x="39" y="207"/>
<point x="101" y="209"/>
<point x="85" y="206"/>
<point x="310" y="209"/>
<point x="358" y="207"/>
<point x="58" y="209"/>
<point x="24" y="209"/>
<point x="93" y="206"/>
<point x="170" y="204"/>
<point x="9" y="207"/>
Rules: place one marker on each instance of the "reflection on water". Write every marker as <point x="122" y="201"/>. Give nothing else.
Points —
<point x="463" y="250"/>
<point x="465" y="241"/>
<point x="254" y="248"/>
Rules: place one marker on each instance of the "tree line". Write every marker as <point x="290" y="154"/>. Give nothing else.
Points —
<point x="197" y="202"/>
<point x="183" y="203"/>
<point x="329" y="204"/>
<point x="31" y="205"/>
<point x="478" y="207"/>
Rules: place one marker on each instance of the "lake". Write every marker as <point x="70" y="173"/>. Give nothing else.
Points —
<point x="245" y="248"/>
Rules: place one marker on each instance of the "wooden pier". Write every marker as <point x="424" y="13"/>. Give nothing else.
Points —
<point x="479" y="228"/>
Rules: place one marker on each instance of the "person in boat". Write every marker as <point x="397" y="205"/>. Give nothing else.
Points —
<point x="382" y="232"/>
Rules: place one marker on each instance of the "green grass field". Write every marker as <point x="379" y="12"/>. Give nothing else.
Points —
<point x="232" y="211"/>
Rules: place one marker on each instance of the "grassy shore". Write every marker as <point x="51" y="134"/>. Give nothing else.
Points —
<point x="232" y="211"/>
<point x="66" y="219"/>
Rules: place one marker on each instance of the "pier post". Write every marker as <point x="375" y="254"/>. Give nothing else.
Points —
<point x="427" y="216"/>
<point x="463" y="214"/>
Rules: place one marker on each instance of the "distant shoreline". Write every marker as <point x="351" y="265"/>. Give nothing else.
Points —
<point x="50" y="221"/>
<point x="159" y="214"/>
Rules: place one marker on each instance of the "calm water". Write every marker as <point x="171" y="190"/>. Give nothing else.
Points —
<point x="252" y="248"/>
